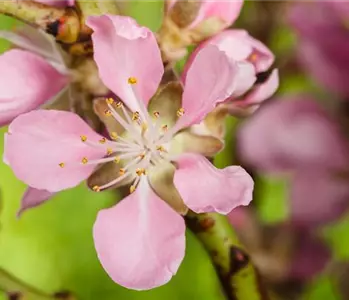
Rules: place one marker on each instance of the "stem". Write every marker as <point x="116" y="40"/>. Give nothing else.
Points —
<point x="62" y="23"/>
<point x="239" y="277"/>
<point x="17" y="289"/>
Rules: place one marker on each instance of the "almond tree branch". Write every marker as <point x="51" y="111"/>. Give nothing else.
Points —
<point x="239" y="277"/>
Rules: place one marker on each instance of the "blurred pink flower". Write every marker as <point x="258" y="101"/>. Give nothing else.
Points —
<point x="140" y="241"/>
<point x="296" y="137"/>
<point x="323" y="44"/>
<point x="189" y="22"/>
<point x="253" y="58"/>
<point x="58" y="3"/>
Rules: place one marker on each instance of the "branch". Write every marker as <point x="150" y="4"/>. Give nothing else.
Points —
<point x="62" y="23"/>
<point x="239" y="277"/>
<point x="16" y="289"/>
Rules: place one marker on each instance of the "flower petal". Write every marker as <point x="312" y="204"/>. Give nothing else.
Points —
<point x="39" y="141"/>
<point x="123" y="49"/>
<point x="208" y="82"/>
<point x="27" y="82"/>
<point x="167" y="102"/>
<point x="207" y="189"/>
<point x="32" y="198"/>
<point x="292" y="133"/>
<point x="140" y="241"/>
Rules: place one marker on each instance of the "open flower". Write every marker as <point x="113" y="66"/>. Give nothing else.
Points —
<point x="152" y="148"/>
<point x="189" y="22"/>
<point x="257" y="81"/>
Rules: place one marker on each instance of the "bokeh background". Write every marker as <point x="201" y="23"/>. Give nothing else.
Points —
<point x="51" y="247"/>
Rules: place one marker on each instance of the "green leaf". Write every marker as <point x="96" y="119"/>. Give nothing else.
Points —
<point x="147" y="13"/>
<point x="272" y="196"/>
<point x="6" y="23"/>
<point x="322" y="288"/>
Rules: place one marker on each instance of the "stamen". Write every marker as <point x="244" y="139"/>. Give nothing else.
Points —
<point x="110" y="100"/>
<point x="164" y="127"/>
<point x="62" y="165"/>
<point x="119" y="105"/>
<point x="140" y="171"/>
<point x="83" y="138"/>
<point x="180" y="112"/>
<point x="108" y="112"/>
<point x="253" y="57"/>
<point x="156" y="114"/>
<point x="114" y="135"/>
<point x="102" y="140"/>
<point x="135" y="116"/>
<point x="84" y="161"/>
<point x="161" y="148"/>
<point x="109" y="151"/>
<point x="122" y="171"/>
<point x="116" y="159"/>
<point x="134" y="185"/>
<point x="132" y="80"/>
<point x="132" y="189"/>
<point x="96" y="189"/>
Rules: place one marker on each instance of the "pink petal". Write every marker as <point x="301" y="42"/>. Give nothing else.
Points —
<point x="207" y="189"/>
<point x="209" y="80"/>
<point x="263" y="91"/>
<point x="318" y="198"/>
<point x="293" y="133"/>
<point x="123" y="49"/>
<point x="140" y="241"/>
<point x="40" y="140"/>
<point x="32" y="198"/>
<point x="27" y="81"/>
<point x="226" y="11"/>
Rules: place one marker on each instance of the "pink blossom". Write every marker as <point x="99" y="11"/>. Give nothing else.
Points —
<point x="190" y="22"/>
<point x="252" y="58"/>
<point x="140" y="241"/>
<point x="31" y="75"/>
<point x="296" y="137"/>
<point x="323" y="42"/>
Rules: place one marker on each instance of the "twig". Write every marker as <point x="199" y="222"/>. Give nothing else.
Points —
<point x="239" y="277"/>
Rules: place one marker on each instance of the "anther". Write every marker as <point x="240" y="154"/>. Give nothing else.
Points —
<point x="96" y="188"/>
<point x="62" y="165"/>
<point x="135" y="116"/>
<point x="142" y="155"/>
<point x="164" y="127"/>
<point x="84" y="161"/>
<point x="103" y="140"/>
<point x="83" y="138"/>
<point x="110" y="101"/>
<point x="180" y="112"/>
<point x="122" y="171"/>
<point x="161" y="149"/>
<point x="116" y="159"/>
<point x="140" y="171"/>
<point x="108" y="112"/>
<point x="132" y="189"/>
<point x="132" y="80"/>
<point x="109" y="151"/>
<point x="119" y="104"/>
<point x="114" y="135"/>
<point x="156" y="114"/>
<point x="253" y="57"/>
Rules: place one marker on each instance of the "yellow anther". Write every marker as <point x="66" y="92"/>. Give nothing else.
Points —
<point x="116" y="159"/>
<point x="110" y="101"/>
<point x="83" y="138"/>
<point x="164" y="127"/>
<point x="119" y="104"/>
<point x="84" y="160"/>
<point x="108" y="112"/>
<point x="144" y="127"/>
<point x="122" y="171"/>
<point x="161" y="149"/>
<point x="142" y="155"/>
<point x="102" y="141"/>
<point x="180" y="112"/>
<point x="140" y="171"/>
<point x="62" y="165"/>
<point x="114" y="135"/>
<point x="109" y="151"/>
<point x="132" y="80"/>
<point x="156" y="114"/>
<point x="132" y="189"/>
<point x="135" y="116"/>
<point x="96" y="188"/>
